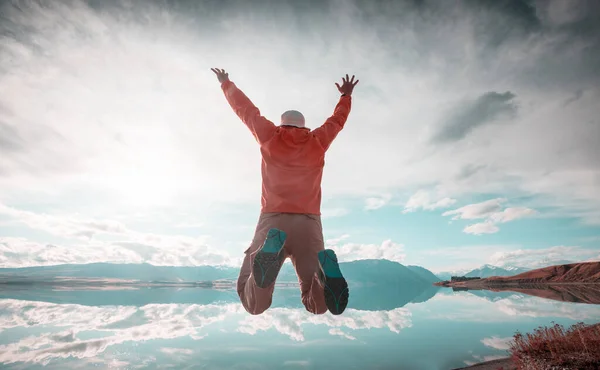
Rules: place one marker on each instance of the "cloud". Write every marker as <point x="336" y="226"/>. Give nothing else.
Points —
<point x="10" y="141"/>
<point x="290" y="322"/>
<point x="536" y="258"/>
<point x="334" y="212"/>
<point x="377" y="202"/>
<point x="484" y="110"/>
<point x="64" y="327"/>
<point x="130" y="246"/>
<point x="423" y="199"/>
<point x="511" y="214"/>
<point x="460" y="259"/>
<point x="68" y="227"/>
<point x="468" y="307"/>
<point x="491" y="210"/>
<point x="177" y="351"/>
<point x="537" y="307"/>
<point x="20" y="252"/>
<point x="386" y="250"/>
<point x="497" y="343"/>
<point x="481" y="228"/>
<point x="336" y="331"/>
<point x="477" y="210"/>
<point x="336" y="241"/>
<point x="118" y="324"/>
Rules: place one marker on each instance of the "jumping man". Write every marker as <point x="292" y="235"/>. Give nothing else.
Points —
<point x="289" y="225"/>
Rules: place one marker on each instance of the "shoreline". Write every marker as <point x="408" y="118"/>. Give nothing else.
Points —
<point x="504" y="363"/>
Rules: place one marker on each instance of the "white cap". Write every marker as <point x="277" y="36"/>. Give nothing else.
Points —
<point x="292" y="118"/>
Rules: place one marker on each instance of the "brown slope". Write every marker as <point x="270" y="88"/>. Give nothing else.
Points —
<point x="584" y="272"/>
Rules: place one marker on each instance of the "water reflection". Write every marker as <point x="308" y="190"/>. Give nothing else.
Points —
<point x="576" y="293"/>
<point x="205" y="328"/>
<point x="368" y="298"/>
<point x="81" y="331"/>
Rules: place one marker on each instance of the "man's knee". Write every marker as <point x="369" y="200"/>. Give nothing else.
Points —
<point x="256" y="307"/>
<point x="256" y="311"/>
<point x="316" y="310"/>
<point x="314" y="307"/>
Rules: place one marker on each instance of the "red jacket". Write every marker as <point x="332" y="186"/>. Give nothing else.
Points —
<point x="292" y="158"/>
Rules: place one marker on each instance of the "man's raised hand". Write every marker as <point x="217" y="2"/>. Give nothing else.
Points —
<point x="347" y="85"/>
<point x="222" y="76"/>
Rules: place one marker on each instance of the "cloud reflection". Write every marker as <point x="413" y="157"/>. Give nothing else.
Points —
<point x="85" y="332"/>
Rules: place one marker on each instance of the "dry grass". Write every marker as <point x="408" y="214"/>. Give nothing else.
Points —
<point x="555" y="347"/>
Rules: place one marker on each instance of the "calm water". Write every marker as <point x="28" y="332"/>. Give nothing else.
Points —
<point x="195" y="328"/>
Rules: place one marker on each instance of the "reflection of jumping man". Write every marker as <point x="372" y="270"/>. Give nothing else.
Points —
<point x="289" y="225"/>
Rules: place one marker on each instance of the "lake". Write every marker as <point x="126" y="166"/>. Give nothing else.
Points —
<point x="196" y="328"/>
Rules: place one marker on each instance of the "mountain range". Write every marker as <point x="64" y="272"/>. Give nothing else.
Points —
<point x="359" y="272"/>
<point x="484" y="271"/>
<point x="374" y="284"/>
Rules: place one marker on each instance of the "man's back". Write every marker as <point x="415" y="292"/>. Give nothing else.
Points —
<point x="292" y="157"/>
<point x="292" y="169"/>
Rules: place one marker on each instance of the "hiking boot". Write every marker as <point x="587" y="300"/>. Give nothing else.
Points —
<point x="269" y="259"/>
<point x="334" y="284"/>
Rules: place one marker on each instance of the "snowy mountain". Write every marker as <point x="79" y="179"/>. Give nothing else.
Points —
<point x="446" y="275"/>
<point x="490" y="270"/>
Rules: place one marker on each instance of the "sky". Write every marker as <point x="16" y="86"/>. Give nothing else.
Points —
<point x="473" y="136"/>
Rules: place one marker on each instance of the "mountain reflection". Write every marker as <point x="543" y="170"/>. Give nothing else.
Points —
<point x="368" y="298"/>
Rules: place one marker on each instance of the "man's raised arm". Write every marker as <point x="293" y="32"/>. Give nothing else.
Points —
<point x="327" y="132"/>
<point x="261" y="128"/>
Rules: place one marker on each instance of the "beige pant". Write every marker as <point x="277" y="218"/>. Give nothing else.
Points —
<point x="304" y="240"/>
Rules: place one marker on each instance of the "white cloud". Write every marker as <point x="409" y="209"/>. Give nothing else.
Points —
<point x="492" y="211"/>
<point x="119" y="324"/>
<point x="176" y="351"/>
<point x="61" y="330"/>
<point x="337" y="331"/>
<point x="423" y="199"/>
<point x="377" y="202"/>
<point x="536" y="258"/>
<point x="478" y="210"/>
<point x="290" y="322"/>
<point x="517" y="307"/>
<point x="481" y="228"/>
<point x="69" y="227"/>
<point x="130" y="246"/>
<point x="497" y="343"/>
<point x="336" y="241"/>
<point x="334" y="212"/>
<point x="386" y="250"/>
<point x="190" y="225"/>
<point x="20" y="252"/>
<point x="539" y="307"/>
<point x="511" y="213"/>
<point x="460" y="258"/>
